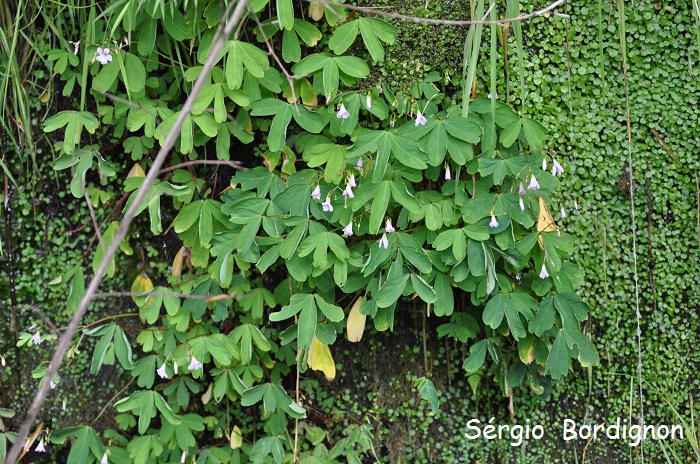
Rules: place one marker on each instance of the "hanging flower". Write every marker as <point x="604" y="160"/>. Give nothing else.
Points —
<point x="161" y="372"/>
<point x="496" y="95"/>
<point x="40" y="447"/>
<point x="348" y="192"/>
<point x="2" y="360"/>
<point x="534" y="185"/>
<point x="494" y="222"/>
<point x="522" y="205"/>
<point x="384" y="242"/>
<point x="103" y="55"/>
<point x="563" y="213"/>
<point x="316" y="194"/>
<point x="544" y="164"/>
<point x="183" y="457"/>
<point x="369" y="101"/>
<point x="63" y="405"/>
<point x="448" y="174"/>
<point x="175" y="367"/>
<point x="76" y="46"/>
<point x="327" y="204"/>
<point x="543" y="272"/>
<point x="388" y="227"/>
<point x="105" y="457"/>
<point x="575" y="204"/>
<point x="351" y="181"/>
<point x="343" y="113"/>
<point x="358" y="166"/>
<point x="521" y="189"/>
<point x="36" y="338"/>
<point x="195" y="365"/>
<point x="557" y="169"/>
<point x="347" y="230"/>
<point x="52" y="384"/>
<point x="420" y="119"/>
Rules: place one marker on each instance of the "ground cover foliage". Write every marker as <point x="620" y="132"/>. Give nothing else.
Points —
<point x="367" y="198"/>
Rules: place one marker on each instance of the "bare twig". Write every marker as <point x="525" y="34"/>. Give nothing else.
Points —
<point x="65" y="341"/>
<point x="233" y="164"/>
<point x="112" y="400"/>
<point x="446" y="22"/>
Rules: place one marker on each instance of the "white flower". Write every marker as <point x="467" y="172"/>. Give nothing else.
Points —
<point x="494" y="222"/>
<point x="327" y="204"/>
<point x="183" y="457"/>
<point x="522" y="205"/>
<point x="448" y="174"/>
<point x="316" y="194"/>
<point x="534" y="185"/>
<point x="76" y="46"/>
<point x="521" y="190"/>
<point x="369" y="101"/>
<point x="161" y="372"/>
<point x="389" y="228"/>
<point x="348" y="229"/>
<point x="496" y="96"/>
<point x="63" y="405"/>
<point x="351" y="181"/>
<point x="543" y="272"/>
<point x="358" y="166"/>
<point x="557" y="169"/>
<point x="195" y="365"/>
<point x="384" y="242"/>
<point x="105" y="457"/>
<point x="348" y="192"/>
<point x="2" y="360"/>
<point x="343" y="113"/>
<point x="575" y="204"/>
<point x="103" y="55"/>
<point x="420" y="119"/>
<point x="52" y="384"/>
<point x="563" y="213"/>
<point x="544" y="164"/>
<point x="36" y="338"/>
<point x="40" y="447"/>
<point x="126" y="42"/>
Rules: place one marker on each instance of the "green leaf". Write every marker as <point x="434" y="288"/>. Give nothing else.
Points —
<point x="587" y="353"/>
<point x="426" y="389"/>
<point x="285" y="14"/>
<point x="477" y="355"/>
<point x="390" y="292"/>
<point x="558" y="361"/>
<point x="343" y="37"/>
<point x="423" y="289"/>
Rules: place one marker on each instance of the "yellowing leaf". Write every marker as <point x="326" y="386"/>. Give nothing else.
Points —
<point x="142" y="283"/>
<point x="316" y="11"/>
<point x="207" y="395"/>
<point x="545" y="221"/>
<point x="136" y="171"/>
<point x="236" y="438"/>
<point x="320" y="359"/>
<point x="177" y="262"/>
<point x="356" y="322"/>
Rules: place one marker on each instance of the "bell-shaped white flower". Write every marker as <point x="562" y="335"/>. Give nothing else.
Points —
<point x="327" y="204"/>
<point x="195" y="365"/>
<point x="544" y="164"/>
<point x="105" y="457"/>
<point x="534" y="185"/>
<point x="161" y="372"/>
<point x="557" y="168"/>
<point x="40" y="447"/>
<point x="358" y="166"/>
<point x="36" y="338"/>
<point x="448" y="174"/>
<point x="420" y="119"/>
<point x="521" y="189"/>
<point x="103" y="55"/>
<point x="316" y="194"/>
<point x="384" y="242"/>
<point x="543" y="273"/>
<point x="348" y="192"/>
<point x="175" y="367"/>
<point x="347" y="230"/>
<point x="369" y="102"/>
<point x="343" y="113"/>
<point x="563" y="213"/>
<point x="388" y="227"/>
<point x="494" y="222"/>
<point x="351" y="181"/>
<point x="522" y="205"/>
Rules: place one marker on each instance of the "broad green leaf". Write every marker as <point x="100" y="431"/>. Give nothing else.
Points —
<point x="427" y="391"/>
